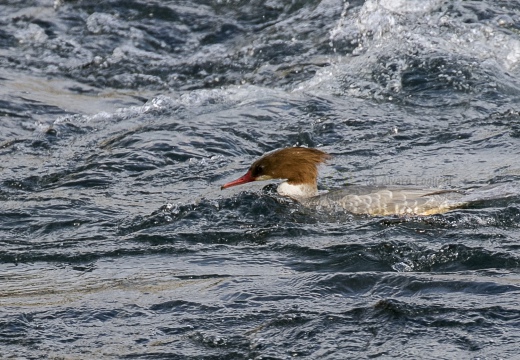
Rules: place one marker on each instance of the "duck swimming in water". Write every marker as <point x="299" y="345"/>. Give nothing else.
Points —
<point x="298" y="167"/>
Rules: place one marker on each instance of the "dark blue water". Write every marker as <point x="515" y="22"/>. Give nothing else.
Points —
<point x="119" y="121"/>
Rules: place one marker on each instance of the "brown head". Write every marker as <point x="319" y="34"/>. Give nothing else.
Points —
<point x="297" y="164"/>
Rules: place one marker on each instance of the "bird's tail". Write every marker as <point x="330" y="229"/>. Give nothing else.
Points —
<point x="491" y="192"/>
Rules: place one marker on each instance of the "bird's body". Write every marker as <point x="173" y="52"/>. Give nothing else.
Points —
<point x="387" y="200"/>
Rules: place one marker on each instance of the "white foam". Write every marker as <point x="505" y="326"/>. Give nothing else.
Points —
<point x="197" y="101"/>
<point x="159" y="103"/>
<point x="99" y="23"/>
<point x="410" y="6"/>
<point x="394" y="32"/>
<point x="33" y="34"/>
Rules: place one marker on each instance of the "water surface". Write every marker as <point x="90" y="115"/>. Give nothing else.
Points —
<point x="120" y="121"/>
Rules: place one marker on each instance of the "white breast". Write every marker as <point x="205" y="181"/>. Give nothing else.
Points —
<point x="300" y="191"/>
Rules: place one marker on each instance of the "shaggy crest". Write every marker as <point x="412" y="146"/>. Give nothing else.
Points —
<point x="297" y="165"/>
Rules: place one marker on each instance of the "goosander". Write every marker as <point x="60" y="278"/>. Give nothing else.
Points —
<point x="299" y="167"/>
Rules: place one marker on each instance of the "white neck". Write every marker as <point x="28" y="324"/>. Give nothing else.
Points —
<point x="300" y="191"/>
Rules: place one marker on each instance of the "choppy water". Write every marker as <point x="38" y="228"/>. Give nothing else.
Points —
<point x="121" y="119"/>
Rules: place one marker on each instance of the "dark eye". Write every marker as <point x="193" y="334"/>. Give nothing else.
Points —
<point x="257" y="170"/>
